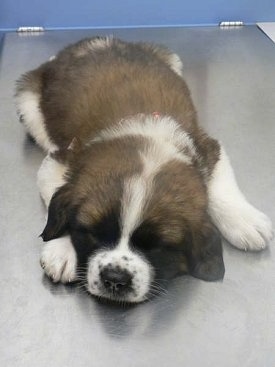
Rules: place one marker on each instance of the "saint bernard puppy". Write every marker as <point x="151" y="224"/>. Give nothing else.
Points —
<point x="136" y="191"/>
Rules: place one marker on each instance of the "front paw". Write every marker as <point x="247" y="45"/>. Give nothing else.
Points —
<point x="59" y="260"/>
<point x="246" y="228"/>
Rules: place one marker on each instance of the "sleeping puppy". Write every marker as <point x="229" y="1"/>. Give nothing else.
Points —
<point x="136" y="192"/>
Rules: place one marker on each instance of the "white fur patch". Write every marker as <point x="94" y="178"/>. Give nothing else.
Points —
<point x="127" y="260"/>
<point x="28" y="106"/>
<point x="135" y="193"/>
<point x="176" y="64"/>
<point x="100" y="43"/>
<point x="50" y="176"/>
<point x="238" y="221"/>
<point x="94" y="45"/>
<point x="168" y="137"/>
<point x="59" y="260"/>
<point x="138" y="188"/>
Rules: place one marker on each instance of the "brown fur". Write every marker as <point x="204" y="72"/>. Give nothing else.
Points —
<point x="82" y="95"/>
<point x="97" y="183"/>
<point x="83" y="92"/>
<point x="178" y="200"/>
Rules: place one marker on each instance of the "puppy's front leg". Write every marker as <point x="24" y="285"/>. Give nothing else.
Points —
<point x="59" y="260"/>
<point x="58" y="257"/>
<point x="238" y="221"/>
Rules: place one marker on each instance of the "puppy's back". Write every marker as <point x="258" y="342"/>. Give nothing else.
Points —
<point x="98" y="82"/>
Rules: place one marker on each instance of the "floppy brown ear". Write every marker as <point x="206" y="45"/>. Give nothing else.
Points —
<point x="58" y="215"/>
<point x="204" y="255"/>
<point x="208" y="153"/>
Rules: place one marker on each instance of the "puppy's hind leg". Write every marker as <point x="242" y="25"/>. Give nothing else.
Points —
<point x="28" y="97"/>
<point x="239" y="222"/>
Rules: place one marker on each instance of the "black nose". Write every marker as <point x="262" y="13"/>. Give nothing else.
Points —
<point x="116" y="280"/>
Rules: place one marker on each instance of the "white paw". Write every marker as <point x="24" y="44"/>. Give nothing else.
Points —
<point x="59" y="260"/>
<point x="245" y="227"/>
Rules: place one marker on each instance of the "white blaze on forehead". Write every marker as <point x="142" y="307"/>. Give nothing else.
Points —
<point x="164" y="142"/>
<point x="133" y="201"/>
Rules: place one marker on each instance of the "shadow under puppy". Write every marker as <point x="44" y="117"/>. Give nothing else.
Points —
<point x="134" y="188"/>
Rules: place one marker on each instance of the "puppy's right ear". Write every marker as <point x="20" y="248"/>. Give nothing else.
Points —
<point x="204" y="254"/>
<point x="58" y="215"/>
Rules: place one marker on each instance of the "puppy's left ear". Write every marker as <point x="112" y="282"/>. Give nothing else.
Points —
<point x="204" y="254"/>
<point x="58" y="215"/>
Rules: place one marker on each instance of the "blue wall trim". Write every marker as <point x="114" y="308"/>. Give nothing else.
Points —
<point x="64" y="14"/>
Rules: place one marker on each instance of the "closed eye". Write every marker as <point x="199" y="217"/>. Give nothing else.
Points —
<point x="106" y="229"/>
<point x="90" y="236"/>
<point x="145" y="238"/>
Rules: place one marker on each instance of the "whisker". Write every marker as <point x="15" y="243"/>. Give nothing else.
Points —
<point x="157" y="286"/>
<point x="157" y="291"/>
<point x="82" y="289"/>
<point x="82" y="284"/>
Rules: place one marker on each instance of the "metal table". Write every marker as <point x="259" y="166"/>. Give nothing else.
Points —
<point x="231" y="73"/>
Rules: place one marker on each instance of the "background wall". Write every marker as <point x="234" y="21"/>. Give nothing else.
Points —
<point x="124" y="13"/>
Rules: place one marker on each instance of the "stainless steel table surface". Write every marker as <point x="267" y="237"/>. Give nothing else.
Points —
<point x="231" y="73"/>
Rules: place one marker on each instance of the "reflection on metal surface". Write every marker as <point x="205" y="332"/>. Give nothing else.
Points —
<point x="229" y="323"/>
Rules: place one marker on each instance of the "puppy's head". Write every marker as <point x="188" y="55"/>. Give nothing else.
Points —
<point x="135" y="221"/>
